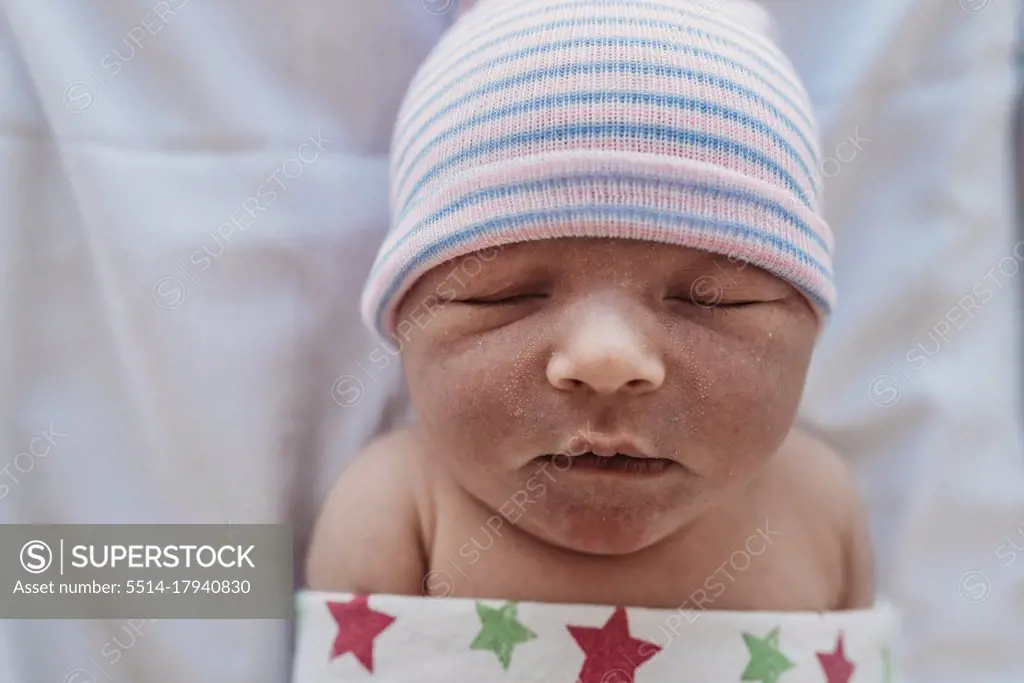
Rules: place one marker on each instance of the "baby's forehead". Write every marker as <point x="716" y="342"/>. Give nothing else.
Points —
<point x="555" y="249"/>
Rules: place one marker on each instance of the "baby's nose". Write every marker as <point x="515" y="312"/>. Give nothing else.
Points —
<point x="605" y="355"/>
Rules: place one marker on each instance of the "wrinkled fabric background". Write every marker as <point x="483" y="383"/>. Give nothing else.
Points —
<point x="186" y="344"/>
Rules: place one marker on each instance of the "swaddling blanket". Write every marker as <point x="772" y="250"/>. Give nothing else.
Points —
<point x="400" y="639"/>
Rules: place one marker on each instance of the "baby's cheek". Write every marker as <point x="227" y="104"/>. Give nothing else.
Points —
<point x="472" y="405"/>
<point x="749" y="404"/>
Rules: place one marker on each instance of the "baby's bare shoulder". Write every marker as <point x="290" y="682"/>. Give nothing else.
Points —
<point x="811" y="470"/>
<point x="368" y="535"/>
<point x="815" y="479"/>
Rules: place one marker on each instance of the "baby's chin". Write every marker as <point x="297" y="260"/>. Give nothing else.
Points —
<point x="609" y="517"/>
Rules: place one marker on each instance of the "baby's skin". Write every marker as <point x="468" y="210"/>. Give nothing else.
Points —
<point x="606" y="422"/>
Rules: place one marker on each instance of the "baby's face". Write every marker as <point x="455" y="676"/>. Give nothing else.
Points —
<point x="555" y="355"/>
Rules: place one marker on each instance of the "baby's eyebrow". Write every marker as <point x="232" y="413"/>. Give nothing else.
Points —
<point x="514" y="281"/>
<point x="516" y="269"/>
<point x="706" y="258"/>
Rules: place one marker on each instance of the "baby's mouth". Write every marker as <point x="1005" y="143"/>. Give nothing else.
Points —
<point x="619" y="463"/>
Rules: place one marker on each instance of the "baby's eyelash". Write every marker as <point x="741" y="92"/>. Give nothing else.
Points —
<point x="515" y="299"/>
<point x="724" y="307"/>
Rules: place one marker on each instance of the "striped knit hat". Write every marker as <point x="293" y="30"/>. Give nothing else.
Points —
<point x="668" y="120"/>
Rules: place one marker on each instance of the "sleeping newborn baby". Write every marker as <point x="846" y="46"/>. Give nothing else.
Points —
<point x="606" y="275"/>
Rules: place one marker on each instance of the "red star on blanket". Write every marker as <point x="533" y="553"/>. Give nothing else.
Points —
<point x="358" y="625"/>
<point x="612" y="655"/>
<point x="837" y="667"/>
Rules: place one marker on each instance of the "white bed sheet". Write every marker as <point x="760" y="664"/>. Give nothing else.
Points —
<point x="236" y="390"/>
<point x="922" y="396"/>
<point x="205" y="398"/>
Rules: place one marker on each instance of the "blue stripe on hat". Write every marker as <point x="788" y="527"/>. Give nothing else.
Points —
<point x="618" y="130"/>
<point x="602" y="97"/>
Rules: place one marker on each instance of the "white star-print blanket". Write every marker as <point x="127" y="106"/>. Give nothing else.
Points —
<point x="401" y="639"/>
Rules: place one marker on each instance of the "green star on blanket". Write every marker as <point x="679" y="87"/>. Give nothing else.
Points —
<point x="767" y="663"/>
<point x="500" y="632"/>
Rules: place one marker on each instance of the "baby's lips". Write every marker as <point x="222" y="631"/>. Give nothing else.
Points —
<point x="608" y="446"/>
